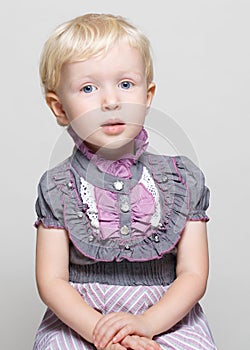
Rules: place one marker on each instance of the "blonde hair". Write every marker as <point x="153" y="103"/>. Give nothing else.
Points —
<point x="88" y="36"/>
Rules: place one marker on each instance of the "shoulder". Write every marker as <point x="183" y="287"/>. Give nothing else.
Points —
<point x="50" y="190"/>
<point x="191" y="175"/>
<point x="53" y="175"/>
<point x="188" y="170"/>
<point x="181" y="166"/>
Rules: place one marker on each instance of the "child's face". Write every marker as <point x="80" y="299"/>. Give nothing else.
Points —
<point x="105" y="99"/>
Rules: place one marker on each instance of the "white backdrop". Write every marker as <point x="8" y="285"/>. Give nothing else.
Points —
<point x="201" y="54"/>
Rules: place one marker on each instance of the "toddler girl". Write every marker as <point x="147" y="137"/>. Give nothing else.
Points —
<point x="122" y="256"/>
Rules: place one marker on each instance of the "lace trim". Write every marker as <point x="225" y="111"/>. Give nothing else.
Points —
<point x="88" y="198"/>
<point x="149" y="183"/>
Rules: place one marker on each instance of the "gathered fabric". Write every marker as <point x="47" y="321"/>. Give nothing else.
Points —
<point x="120" y="167"/>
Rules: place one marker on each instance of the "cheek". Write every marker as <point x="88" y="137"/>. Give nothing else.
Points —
<point x="133" y="113"/>
<point x="85" y="125"/>
<point x="86" y="122"/>
<point x="74" y="107"/>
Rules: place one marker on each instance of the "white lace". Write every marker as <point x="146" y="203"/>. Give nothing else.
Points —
<point x="88" y="197"/>
<point x="149" y="183"/>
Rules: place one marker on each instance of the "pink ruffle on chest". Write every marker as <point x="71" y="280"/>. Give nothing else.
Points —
<point x="141" y="202"/>
<point x="142" y="207"/>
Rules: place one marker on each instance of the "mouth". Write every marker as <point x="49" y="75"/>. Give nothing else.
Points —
<point x="112" y="122"/>
<point x="113" y="127"/>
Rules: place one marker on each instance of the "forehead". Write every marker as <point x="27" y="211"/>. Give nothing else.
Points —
<point x="120" y="57"/>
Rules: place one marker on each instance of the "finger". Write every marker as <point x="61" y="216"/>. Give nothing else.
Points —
<point x="150" y="344"/>
<point x="118" y="347"/>
<point x="113" y="317"/>
<point x="130" y="341"/>
<point x="109" y="331"/>
<point x="123" y="332"/>
<point x="140" y="343"/>
<point x="115" y="328"/>
<point x="134" y="342"/>
<point x="112" y="346"/>
<point x="104" y="330"/>
<point x="101" y="322"/>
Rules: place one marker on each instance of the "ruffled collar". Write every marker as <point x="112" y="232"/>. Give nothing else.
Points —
<point x="120" y="167"/>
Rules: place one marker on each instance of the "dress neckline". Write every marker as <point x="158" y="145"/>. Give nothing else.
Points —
<point x="120" y="167"/>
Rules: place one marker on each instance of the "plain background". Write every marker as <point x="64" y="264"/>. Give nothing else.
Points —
<point x="201" y="55"/>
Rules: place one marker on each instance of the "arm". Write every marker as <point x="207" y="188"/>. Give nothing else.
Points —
<point x="52" y="261"/>
<point x="191" y="281"/>
<point x="52" y="280"/>
<point x="184" y="293"/>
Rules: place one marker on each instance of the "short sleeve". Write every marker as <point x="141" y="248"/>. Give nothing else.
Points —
<point x="198" y="192"/>
<point x="46" y="205"/>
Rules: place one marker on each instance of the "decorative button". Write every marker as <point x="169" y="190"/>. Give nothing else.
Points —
<point x="124" y="230"/>
<point x="80" y="214"/>
<point x="127" y="247"/>
<point x="125" y="207"/>
<point x="70" y="185"/>
<point x="118" y="185"/>
<point x="91" y="238"/>
<point x="156" y="239"/>
<point x="164" y="178"/>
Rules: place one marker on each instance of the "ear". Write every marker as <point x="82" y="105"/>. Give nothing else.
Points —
<point x="54" y="103"/>
<point x="150" y="94"/>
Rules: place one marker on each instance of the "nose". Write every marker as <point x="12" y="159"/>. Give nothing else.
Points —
<point x="110" y="100"/>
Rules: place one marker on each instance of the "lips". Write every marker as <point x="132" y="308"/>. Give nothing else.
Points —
<point x="112" y="122"/>
<point x="113" y="127"/>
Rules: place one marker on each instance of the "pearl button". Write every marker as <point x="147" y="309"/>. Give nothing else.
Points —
<point x="70" y="185"/>
<point x="80" y="214"/>
<point x="91" y="238"/>
<point x="125" y="207"/>
<point x="118" y="185"/>
<point x="156" y="239"/>
<point x="124" y="230"/>
<point x="164" y="178"/>
<point x="127" y="247"/>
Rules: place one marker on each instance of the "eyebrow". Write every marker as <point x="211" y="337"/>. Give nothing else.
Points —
<point x="136" y="74"/>
<point x="90" y="78"/>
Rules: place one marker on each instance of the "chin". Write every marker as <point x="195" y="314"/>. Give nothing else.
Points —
<point x="117" y="144"/>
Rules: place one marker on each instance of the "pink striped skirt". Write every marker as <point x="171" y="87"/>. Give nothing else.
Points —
<point x="191" y="333"/>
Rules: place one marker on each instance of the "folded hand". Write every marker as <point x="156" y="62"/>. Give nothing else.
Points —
<point x="115" y="327"/>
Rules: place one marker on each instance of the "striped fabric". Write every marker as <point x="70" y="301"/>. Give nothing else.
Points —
<point x="192" y="333"/>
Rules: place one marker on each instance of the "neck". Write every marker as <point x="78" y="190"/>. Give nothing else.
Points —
<point x="113" y="153"/>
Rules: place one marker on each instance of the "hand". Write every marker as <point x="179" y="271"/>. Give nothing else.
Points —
<point x="136" y="342"/>
<point x="116" y="326"/>
<point x="112" y="346"/>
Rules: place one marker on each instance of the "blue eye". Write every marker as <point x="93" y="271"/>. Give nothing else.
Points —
<point x="88" y="89"/>
<point x="126" y="85"/>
